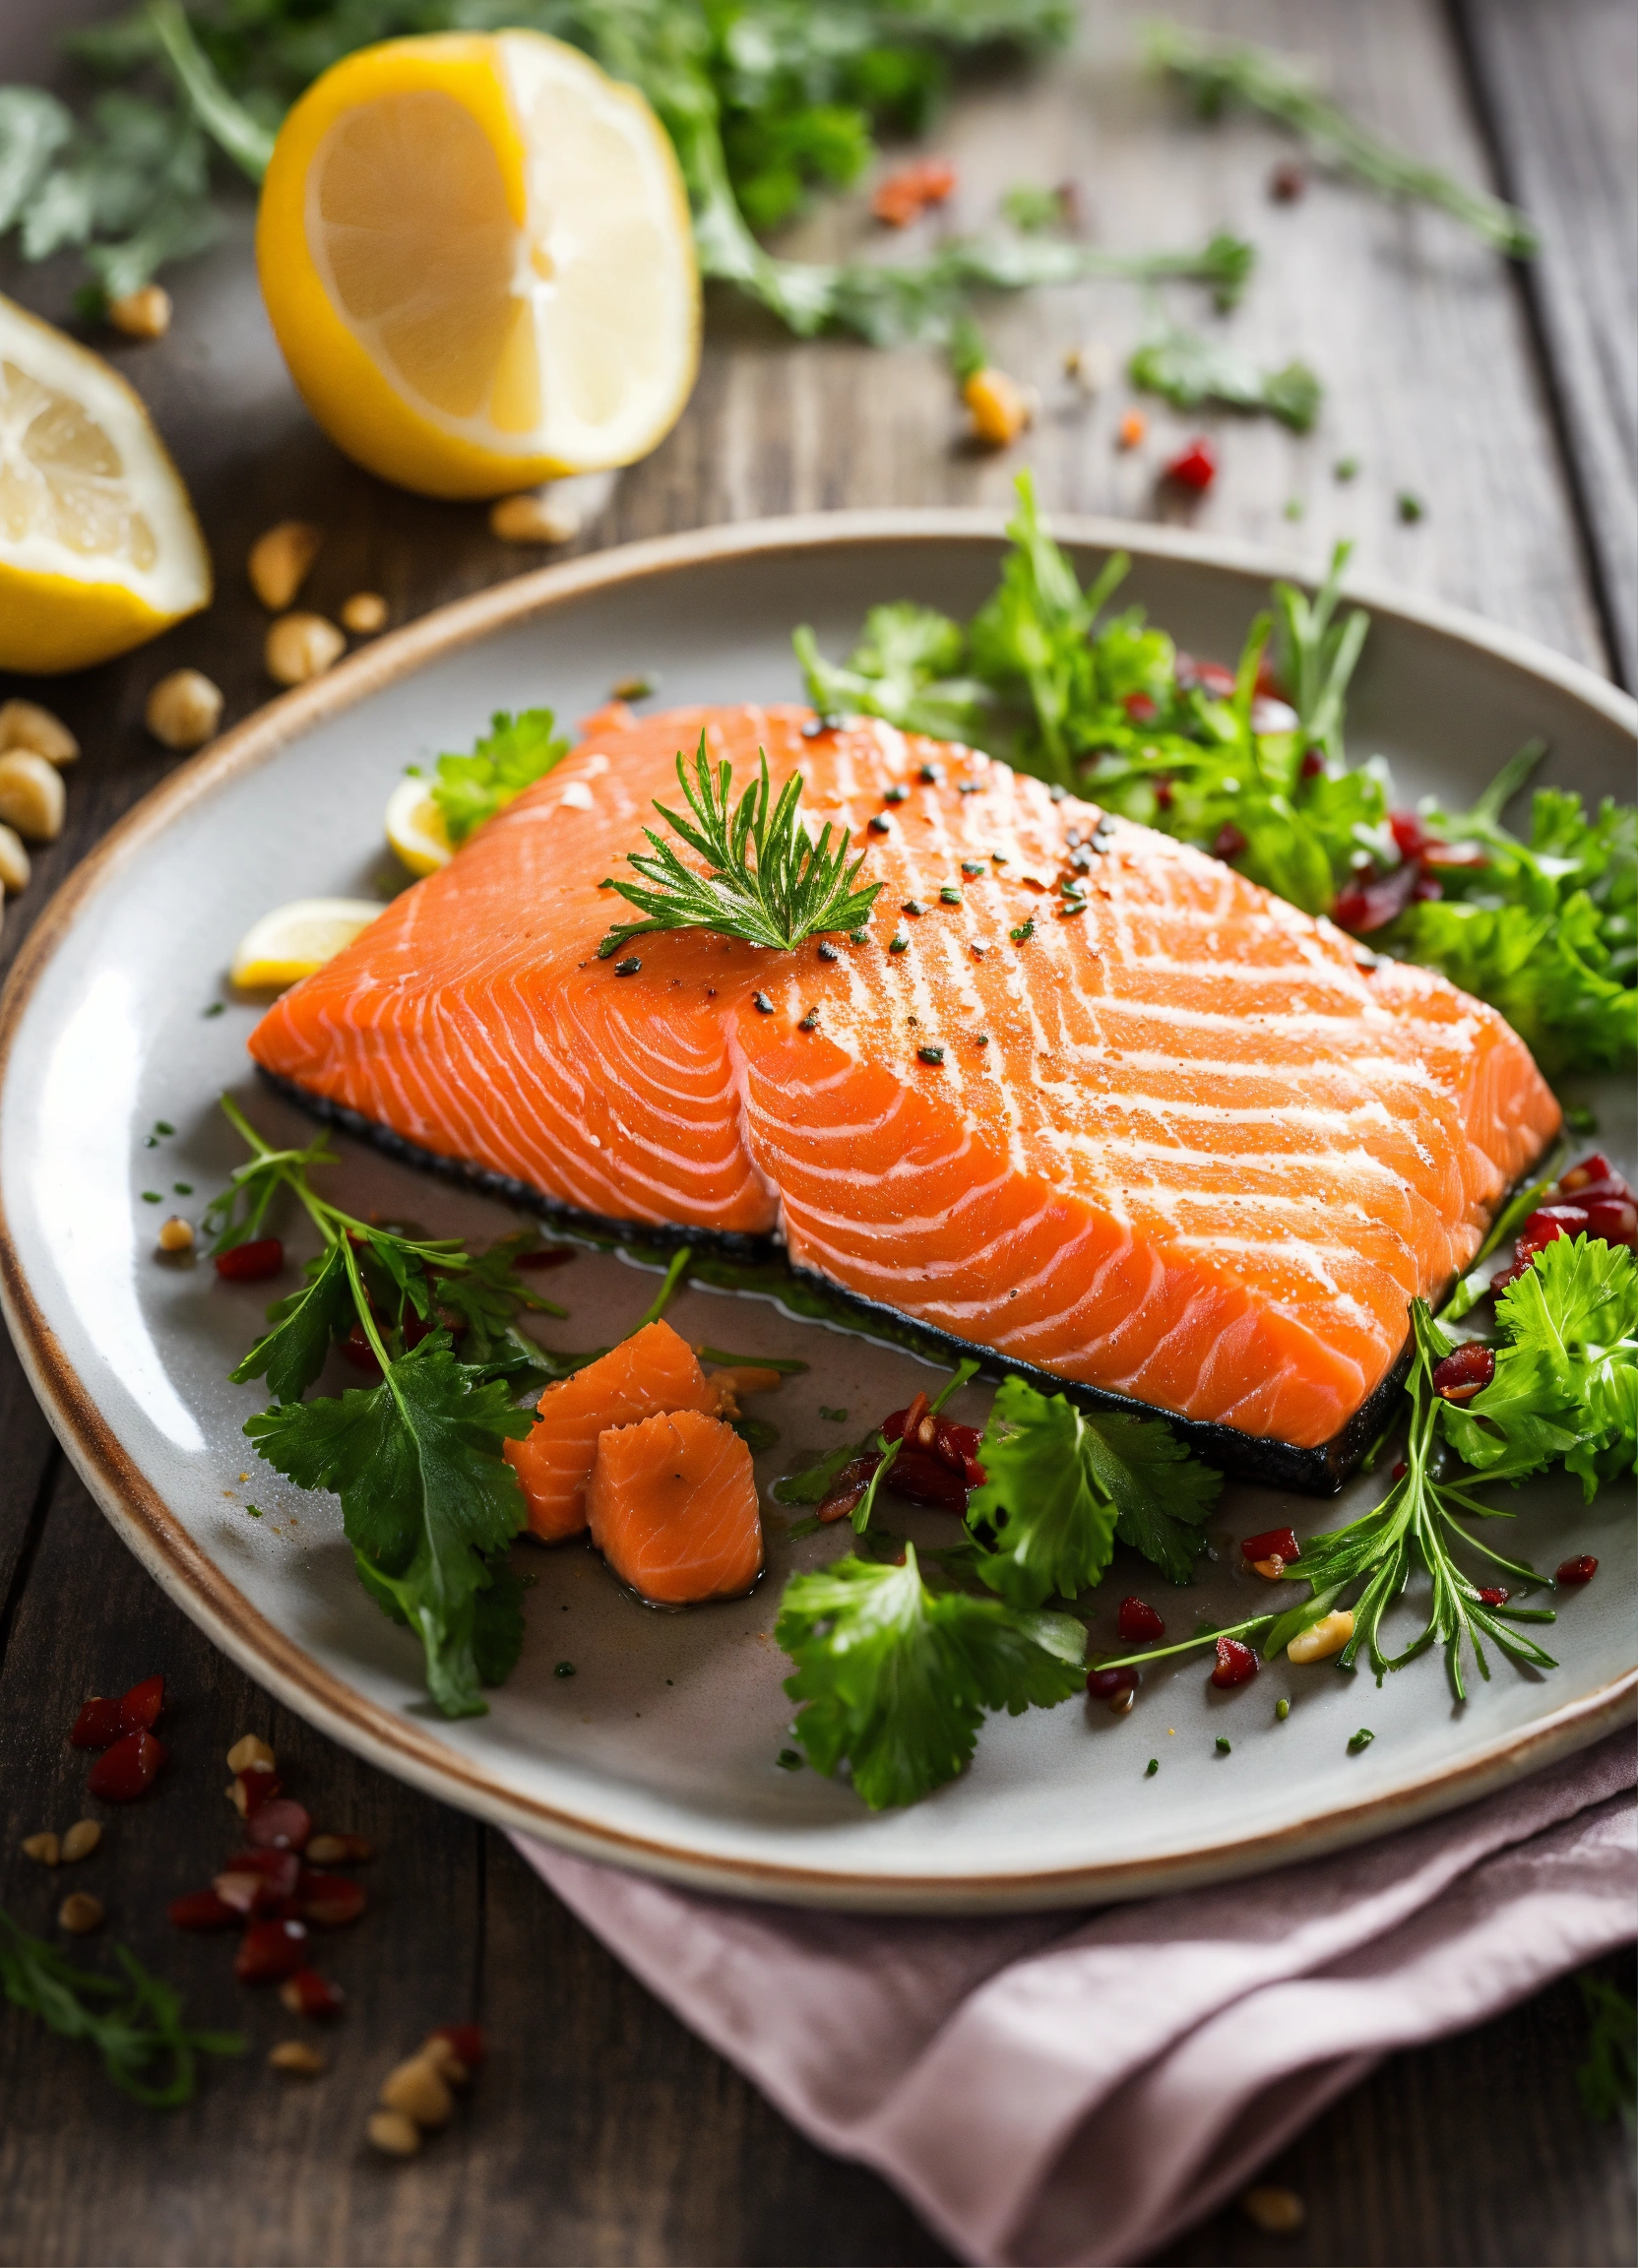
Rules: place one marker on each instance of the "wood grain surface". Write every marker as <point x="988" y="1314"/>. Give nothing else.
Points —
<point x="603" y="2132"/>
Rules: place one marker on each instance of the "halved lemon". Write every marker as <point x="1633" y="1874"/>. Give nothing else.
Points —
<point x="98" y="545"/>
<point x="293" y="940"/>
<point x="416" y="828"/>
<point x="477" y="255"/>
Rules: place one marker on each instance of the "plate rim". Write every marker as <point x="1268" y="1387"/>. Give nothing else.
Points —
<point x="393" y="1741"/>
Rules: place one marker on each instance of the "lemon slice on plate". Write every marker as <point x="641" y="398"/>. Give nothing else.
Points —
<point x="477" y="255"/>
<point x="98" y="545"/>
<point x="293" y="940"/>
<point x="416" y="828"/>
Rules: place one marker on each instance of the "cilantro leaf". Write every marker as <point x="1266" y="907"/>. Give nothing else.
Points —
<point x="896" y="1679"/>
<point x="1188" y="368"/>
<point x="425" y="1492"/>
<point x="511" y="756"/>
<point x="292" y="1354"/>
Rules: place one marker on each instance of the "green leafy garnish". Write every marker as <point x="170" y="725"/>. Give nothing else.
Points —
<point x="765" y="880"/>
<point x="512" y="755"/>
<point x="894" y="1678"/>
<point x="1188" y="368"/>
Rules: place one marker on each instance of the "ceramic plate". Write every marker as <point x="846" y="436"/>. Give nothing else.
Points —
<point x="659" y="1752"/>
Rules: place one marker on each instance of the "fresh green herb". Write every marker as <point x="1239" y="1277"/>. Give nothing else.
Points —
<point x="1282" y="1708"/>
<point x="1152" y="1767"/>
<point x="788" y="1760"/>
<point x="889" y="1450"/>
<point x="894" y="1677"/>
<point x="1409" y="507"/>
<point x="255" y="1511"/>
<point x="1608" y="2079"/>
<point x="786" y="1365"/>
<point x="765" y="880"/>
<point x="1346" y="468"/>
<point x="163" y="1126"/>
<point x="1360" y="1741"/>
<point x="215" y="1008"/>
<point x="182" y="1188"/>
<point x="1218" y="76"/>
<point x="511" y="756"/>
<point x="1294" y="508"/>
<point x="1024" y="932"/>
<point x="1188" y="368"/>
<point x="836" y="1416"/>
<point x="152" y="1197"/>
<point x="1579" y="1119"/>
<point x="1031" y="209"/>
<point x="1225" y="1747"/>
<point x="133" y="2021"/>
<point x="563" y="1669"/>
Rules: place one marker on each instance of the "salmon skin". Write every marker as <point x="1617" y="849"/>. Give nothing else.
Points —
<point x="1161" y="1137"/>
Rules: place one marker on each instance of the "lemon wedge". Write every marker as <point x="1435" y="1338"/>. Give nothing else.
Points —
<point x="477" y="255"/>
<point x="98" y="545"/>
<point x="416" y="828"/>
<point x="293" y="940"/>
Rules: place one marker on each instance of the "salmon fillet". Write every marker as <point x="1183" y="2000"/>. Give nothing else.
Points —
<point x="652" y="1370"/>
<point x="1188" y="1146"/>
<point x="671" y="1505"/>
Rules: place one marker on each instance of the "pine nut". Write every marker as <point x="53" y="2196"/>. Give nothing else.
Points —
<point x="144" y="314"/>
<point x="440" y="2053"/>
<point x="1322" y="1639"/>
<point x="394" y="2134"/>
<point x="25" y="724"/>
<point x="1270" y="1569"/>
<point x="364" y="614"/>
<point x="532" y="519"/>
<point x="176" y="1234"/>
<point x="998" y="405"/>
<point x="235" y="1792"/>
<point x="14" y="861"/>
<point x="248" y="1751"/>
<point x="1122" y="1704"/>
<point x="302" y="646"/>
<point x="31" y="797"/>
<point x="80" y="1840"/>
<point x="279" y="562"/>
<point x="417" y="2089"/>
<point x="80" y="1913"/>
<point x="45" y="1849"/>
<point x="295" y="2057"/>
<point x="1277" y="2212"/>
<point x="184" y="709"/>
<point x="339" y="1851"/>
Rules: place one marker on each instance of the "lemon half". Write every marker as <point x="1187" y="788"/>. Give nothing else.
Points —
<point x="293" y="940"/>
<point x="98" y="545"/>
<point x="416" y="828"/>
<point x="477" y="255"/>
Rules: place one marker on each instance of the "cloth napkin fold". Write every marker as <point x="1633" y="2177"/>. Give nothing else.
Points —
<point x="1080" y="2087"/>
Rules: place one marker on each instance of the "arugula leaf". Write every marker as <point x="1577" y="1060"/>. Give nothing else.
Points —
<point x="895" y="1678"/>
<point x="425" y="1492"/>
<point x="906" y="669"/>
<point x="511" y="756"/>
<point x="1188" y="368"/>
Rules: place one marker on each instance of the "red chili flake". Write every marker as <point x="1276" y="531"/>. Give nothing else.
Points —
<point x="280" y="1824"/>
<point x="1194" y="467"/>
<point x="1235" y="1664"/>
<point x="128" y="1769"/>
<point x="140" y="1707"/>
<point x="1138" y="1622"/>
<point x="249" y="1263"/>
<point x="1312" y="764"/>
<point x="279" y="1867"/>
<point x="307" y="1994"/>
<point x="1496" y="1596"/>
<point x="847" y="1488"/>
<point x="98" y="1725"/>
<point x="1272" y="1544"/>
<point x="548" y="1256"/>
<point x="1613" y="1219"/>
<point x="1110" y="1684"/>
<point x="1228" y="841"/>
<point x="468" y="2040"/>
<point x="1141" y="708"/>
<point x="257" y="1784"/>
<point x="329" y="1900"/>
<point x="1163" y="795"/>
<point x="1465" y="1374"/>
<point x="906" y="195"/>
<point x="269" y="1950"/>
<point x="359" y="1353"/>
<point x="202" y="1909"/>
<point x="1574" y="1571"/>
<point x="250" y="1894"/>
<point x="920" y="1478"/>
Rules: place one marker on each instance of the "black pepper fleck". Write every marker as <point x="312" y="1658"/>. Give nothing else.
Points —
<point x="912" y="905"/>
<point x="563" y="1669"/>
<point x="879" y="824"/>
<point x="828" y="953"/>
<point x="627" y="968"/>
<point x="949" y="895"/>
<point x="899" y="943"/>
<point x="972" y="867"/>
<point x="898" y="793"/>
<point x="929" y="776"/>
<point x="931" y="1054"/>
<point x="762" y="1001"/>
<point x="810" y="1022"/>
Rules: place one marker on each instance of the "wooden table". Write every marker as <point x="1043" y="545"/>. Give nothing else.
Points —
<point x="603" y="2132"/>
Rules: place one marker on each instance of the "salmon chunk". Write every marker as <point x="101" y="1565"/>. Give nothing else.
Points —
<point x="671" y="1505"/>
<point x="652" y="1370"/>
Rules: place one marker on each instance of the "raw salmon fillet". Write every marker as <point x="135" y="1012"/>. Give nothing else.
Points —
<point x="1189" y="1145"/>
<point x="671" y="1506"/>
<point x="653" y="1369"/>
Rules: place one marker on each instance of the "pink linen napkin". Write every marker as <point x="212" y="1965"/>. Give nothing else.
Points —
<point x="1080" y="2087"/>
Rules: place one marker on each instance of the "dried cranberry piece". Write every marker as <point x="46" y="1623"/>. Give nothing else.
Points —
<point x="1574" y="1571"/>
<point x="1213" y="677"/>
<point x="280" y="1868"/>
<point x="359" y="1353"/>
<point x="1110" y="1684"/>
<point x="897" y="1422"/>
<point x="1613" y="1219"/>
<point x="1141" y="708"/>
<point x="1312" y="764"/>
<point x="1228" y="841"/>
<point x="1163" y="797"/>
<point x="847" y="1488"/>
<point x="1371" y="904"/>
<point x="1498" y="1595"/>
<point x="270" y="1950"/>
<point x="249" y="1263"/>
<point x="1235" y="1664"/>
<point x="141" y="1705"/>
<point x="202" y="1909"/>
<point x="128" y="1769"/>
<point x="250" y="1894"/>
<point x="1138" y="1622"/>
<point x="1411" y="836"/>
<point x="307" y="1994"/>
<point x="468" y="2040"/>
<point x="1464" y="1373"/>
<point x="281" y="1824"/>
<point x="1400" y="1469"/>
<point x="1596" y="1168"/>
<point x="919" y="1479"/>
<point x="1271" y="1543"/>
<point x="98" y="1725"/>
<point x="1505" y="1277"/>
<point x="329" y="1900"/>
<point x="257" y="1784"/>
<point x="1194" y="467"/>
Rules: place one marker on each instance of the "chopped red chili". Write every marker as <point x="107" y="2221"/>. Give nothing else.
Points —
<point x="1574" y="1571"/>
<point x="250" y="1263"/>
<point x="1138" y="1622"/>
<point x="1237" y="1665"/>
<point x="1464" y="1373"/>
<point x="1271" y="1543"/>
<point x="128" y="1769"/>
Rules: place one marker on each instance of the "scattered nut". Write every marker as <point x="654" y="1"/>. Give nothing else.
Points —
<point x="14" y="861"/>
<point x="184" y="709"/>
<point x="339" y="1851"/>
<point x="1270" y="1569"/>
<point x="279" y="561"/>
<point x="1277" y="2212"/>
<point x="248" y="1751"/>
<point x="25" y="724"/>
<point x="395" y="2134"/>
<point x="364" y="614"/>
<point x="31" y="797"/>
<point x="45" y="1849"/>
<point x="1091" y="365"/>
<point x="294" y="2055"/>
<point x="1122" y="1703"/>
<point x="417" y="2089"/>
<point x="80" y="1840"/>
<point x="144" y="314"/>
<point x="1328" y="1636"/>
<point x="176" y="1234"/>
<point x="302" y="646"/>
<point x="440" y="2053"/>
<point x="532" y="519"/>
<point x="80" y="1913"/>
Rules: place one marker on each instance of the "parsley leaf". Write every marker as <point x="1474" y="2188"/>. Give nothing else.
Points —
<point x="895" y="1678"/>
<point x="1188" y="368"/>
<point x="511" y="756"/>
<point x="905" y="668"/>
<point x="291" y="1355"/>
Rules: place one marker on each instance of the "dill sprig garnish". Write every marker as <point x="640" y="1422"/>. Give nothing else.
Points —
<point x="766" y="880"/>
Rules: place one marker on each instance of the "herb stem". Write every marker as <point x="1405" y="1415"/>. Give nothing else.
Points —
<point x="1183" y="1645"/>
<point x="662" y="1299"/>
